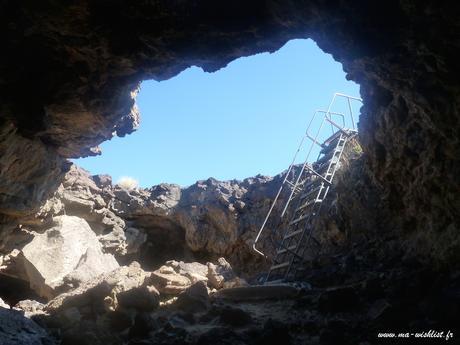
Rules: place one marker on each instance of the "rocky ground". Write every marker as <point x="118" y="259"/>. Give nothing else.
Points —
<point x="349" y="299"/>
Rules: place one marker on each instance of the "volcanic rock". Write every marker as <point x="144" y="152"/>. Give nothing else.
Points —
<point x="193" y="299"/>
<point x="15" y="329"/>
<point x="220" y="273"/>
<point x="69" y="252"/>
<point x="103" y="291"/>
<point x="169" y="282"/>
<point x="30" y="307"/>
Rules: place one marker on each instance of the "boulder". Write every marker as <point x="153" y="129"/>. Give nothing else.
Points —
<point x="101" y="294"/>
<point x="30" y="307"/>
<point x="143" y="298"/>
<point x="218" y="274"/>
<point x="102" y="180"/>
<point x="235" y="282"/>
<point x="91" y="264"/>
<point x="168" y="281"/>
<point x="68" y="252"/>
<point x="193" y="299"/>
<point x="192" y="270"/>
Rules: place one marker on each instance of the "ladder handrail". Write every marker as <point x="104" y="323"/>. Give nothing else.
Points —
<point x="276" y="199"/>
<point x="338" y="148"/>
<point x="327" y="117"/>
<point x="303" y="169"/>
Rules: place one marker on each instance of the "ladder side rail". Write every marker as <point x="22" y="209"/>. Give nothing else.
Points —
<point x="309" y="235"/>
<point x="319" y="203"/>
<point x="287" y="258"/>
<point x="342" y="116"/>
<point x="334" y="169"/>
<point x="316" y="201"/>
<point x="304" y="164"/>
<point x="350" y="108"/>
<point x="276" y="199"/>
<point x="313" y="226"/>
<point x="330" y="107"/>
<point x="309" y="227"/>
<point x="310" y="136"/>
<point x="351" y="113"/>
<point x="286" y="243"/>
<point x="317" y="174"/>
<point x="342" y="129"/>
<point x="307" y="224"/>
<point x="330" y="113"/>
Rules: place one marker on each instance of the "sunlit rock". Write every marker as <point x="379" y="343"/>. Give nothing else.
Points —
<point x="69" y="252"/>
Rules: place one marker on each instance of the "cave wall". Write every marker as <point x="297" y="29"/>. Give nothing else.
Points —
<point x="70" y="71"/>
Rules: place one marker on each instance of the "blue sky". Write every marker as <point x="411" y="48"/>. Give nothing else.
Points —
<point x="243" y="120"/>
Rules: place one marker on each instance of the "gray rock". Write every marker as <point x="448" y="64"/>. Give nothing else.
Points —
<point x="68" y="249"/>
<point x="102" y="181"/>
<point x="220" y="273"/>
<point x="102" y="291"/>
<point x="192" y="270"/>
<point x="167" y="281"/>
<point x="143" y="298"/>
<point x="30" y="307"/>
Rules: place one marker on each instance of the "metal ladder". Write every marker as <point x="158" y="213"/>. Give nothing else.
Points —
<point x="307" y="188"/>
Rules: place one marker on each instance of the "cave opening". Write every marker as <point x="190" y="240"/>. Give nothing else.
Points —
<point x="165" y="240"/>
<point x="240" y="121"/>
<point x="243" y="120"/>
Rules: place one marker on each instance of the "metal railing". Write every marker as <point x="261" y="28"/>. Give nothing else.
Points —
<point x="328" y="117"/>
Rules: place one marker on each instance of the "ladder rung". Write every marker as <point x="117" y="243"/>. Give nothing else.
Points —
<point x="324" y="168"/>
<point x="288" y="249"/>
<point x="311" y="191"/>
<point x="334" y="159"/>
<point x="326" y="157"/>
<point x="282" y="265"/>
<point x="293" y="186"/>
<point x="342" y="134"/>
<point x="277" y="281"/>
<point x="295" y="221"/>
<point x="307" y="204"/>
<point x="292" y="234"/>
<point x="314" y="181"/>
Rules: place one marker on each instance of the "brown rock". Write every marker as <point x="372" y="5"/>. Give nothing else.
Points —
<point x="193" y="299"/>
<point x="167" y="281"/>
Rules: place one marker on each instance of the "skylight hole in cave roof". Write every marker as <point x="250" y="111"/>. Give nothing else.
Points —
<point x="243" y="120"/>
